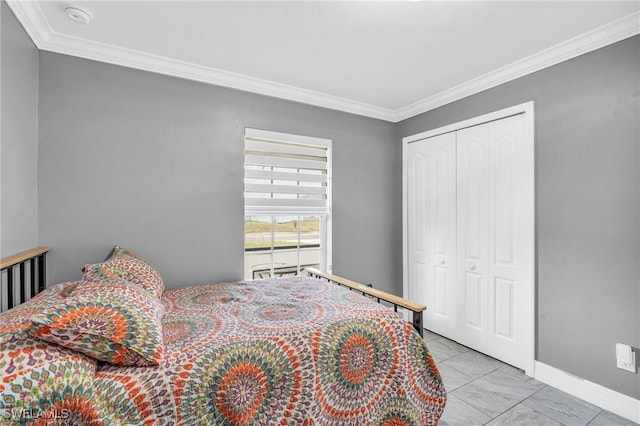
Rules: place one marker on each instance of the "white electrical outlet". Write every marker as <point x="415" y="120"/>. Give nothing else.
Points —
<point x="625" y="357"/>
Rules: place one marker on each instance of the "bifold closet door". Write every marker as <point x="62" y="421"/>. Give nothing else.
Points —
<point x="432" y="223"/>
<point x="469" y="232"/>
<point x="473" y="234"/>
<point x="492" y="258"/>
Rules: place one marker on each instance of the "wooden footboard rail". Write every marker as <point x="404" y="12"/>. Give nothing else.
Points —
<point x="37" y="274"/>
<point x="396" y="301"/>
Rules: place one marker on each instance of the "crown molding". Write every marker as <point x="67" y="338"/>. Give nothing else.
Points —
<point x="615" y="31"/>
<point x="33" y="20"/>
<point x="68" y="45"/>
<point x="35" y="24"/>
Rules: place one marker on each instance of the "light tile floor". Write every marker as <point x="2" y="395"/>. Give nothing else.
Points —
<point x="484" y="391"/>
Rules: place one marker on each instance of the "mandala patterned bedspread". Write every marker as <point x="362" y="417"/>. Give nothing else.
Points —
<point x="267" y="352"/>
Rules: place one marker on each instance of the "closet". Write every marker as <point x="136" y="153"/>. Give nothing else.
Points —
<point x="468" y="232"/>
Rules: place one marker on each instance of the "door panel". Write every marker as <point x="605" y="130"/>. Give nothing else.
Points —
<point x="472" y="228"/>
<point x="473" y="308"/>
<point x="472" y="174"/>
<point x="489" y="188"/>
<point x="504" y="180"/>
<point x="441" y="285"/>
<point x="442" y="156"/>
<point x="507" y="266"/>
<point x="418" y="170"/>
<point x="504" y="305"/>
<point x="417" y="212"/>
<point x="440" y="233"/>
<point x="431" y="211"/>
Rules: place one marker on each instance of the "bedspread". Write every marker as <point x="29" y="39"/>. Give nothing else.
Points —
<point x="286" y="351"/>
<point x="276" y="351"/>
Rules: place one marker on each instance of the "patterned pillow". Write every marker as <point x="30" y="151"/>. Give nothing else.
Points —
<point x="39" y="378"/>
<point x="129" y="266"/>
<point x="55" y="291"/>
<point x="18" y="319"/>
<point x="112" y="321"/>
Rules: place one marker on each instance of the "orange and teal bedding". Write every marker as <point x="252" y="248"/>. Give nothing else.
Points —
<point x="268" y="352"/>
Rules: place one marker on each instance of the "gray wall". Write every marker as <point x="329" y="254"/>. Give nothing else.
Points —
<point x="18" y="137"/>
<point x="587" y="204"/>
<point x="155" y="164"/>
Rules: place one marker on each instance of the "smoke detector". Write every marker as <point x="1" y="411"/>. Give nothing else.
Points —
<point x="77" y="15"/>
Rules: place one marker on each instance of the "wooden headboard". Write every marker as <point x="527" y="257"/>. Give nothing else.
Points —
<point x="19" y="282"/>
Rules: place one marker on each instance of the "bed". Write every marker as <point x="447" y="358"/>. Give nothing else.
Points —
<point x="115" y="348"/>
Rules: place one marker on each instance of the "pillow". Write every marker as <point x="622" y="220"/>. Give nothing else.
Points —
<point x="112" y="321"/>
<point x="43" y="377"/>
<point x="113" y="250"/>
<point x="18" y="318"/>
<point x="40" y="377"/>
<point x="128" y="266"/>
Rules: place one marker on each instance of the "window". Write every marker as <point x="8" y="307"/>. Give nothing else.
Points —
<point x="287" y="195"/>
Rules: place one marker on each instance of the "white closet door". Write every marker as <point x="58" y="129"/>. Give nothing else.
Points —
<point x="473" y="234"/>
<point x="417" y="159"/>
<point x="432" y="219"/>
<point x="509" y="255"/>
<point x="469" y="232"/>
<point x="492" y="265"/>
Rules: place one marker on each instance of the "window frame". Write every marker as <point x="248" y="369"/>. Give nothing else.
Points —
<point x="325" y="215"/>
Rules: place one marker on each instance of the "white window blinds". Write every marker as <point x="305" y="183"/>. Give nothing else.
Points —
<point x="286" y="173"/>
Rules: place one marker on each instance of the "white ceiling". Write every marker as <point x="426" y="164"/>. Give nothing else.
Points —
<point x="389" y="60"/>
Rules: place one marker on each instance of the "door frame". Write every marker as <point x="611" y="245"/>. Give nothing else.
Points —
<point x="527" y="109"/>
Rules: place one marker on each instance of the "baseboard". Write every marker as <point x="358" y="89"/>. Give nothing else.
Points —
<point x="603" y="397"/>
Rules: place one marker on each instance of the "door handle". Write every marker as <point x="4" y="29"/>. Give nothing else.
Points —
<point x="442" y="262"/>
<point x="472" y="267"/>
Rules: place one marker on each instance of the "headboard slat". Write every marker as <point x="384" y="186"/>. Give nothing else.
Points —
<point x="32" y="276"/>
<point x="10" y="298"/>
<point x="22" y="284"/>
<point x="42" y="268"/>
